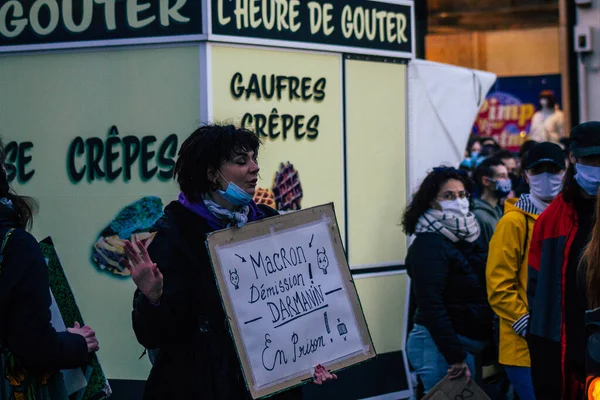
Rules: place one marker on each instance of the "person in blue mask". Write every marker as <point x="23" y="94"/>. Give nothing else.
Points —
<point x="177" y="307"/>
<point x="494" y="185"/>
<point x="472" y="155"/>
<point x="556" y="288"/>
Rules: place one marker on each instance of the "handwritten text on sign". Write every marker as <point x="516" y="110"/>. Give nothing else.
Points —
<point x="290" y="302"/>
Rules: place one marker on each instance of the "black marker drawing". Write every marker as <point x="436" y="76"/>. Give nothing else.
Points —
<point x="252" y="320"/>
<point x="465" y="394"/>
<point x="310" y="271"/>
<point x="279" y="357"/>
<point x="241" y="258"/>
<point x="300" y="316"/>
<point x="311" y="240"/>
<point x="327" y="323"/>
<point x="342" y="328"/>
<point x="332" y="291"/>
<point x="234" y="278"/>
<point x="322" y="260"/>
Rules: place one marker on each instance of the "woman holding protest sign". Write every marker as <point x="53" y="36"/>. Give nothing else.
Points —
<point x="446" y="262"/>
<point x="177" y="306"/>
<point x="31" y="351"/>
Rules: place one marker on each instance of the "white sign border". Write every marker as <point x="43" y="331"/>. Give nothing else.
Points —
<point x="327" y="212"/>
<point x="326" y="221"/>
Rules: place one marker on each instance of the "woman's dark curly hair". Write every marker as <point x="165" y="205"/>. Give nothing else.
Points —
<point x="428" y="191"/>
<point x="24" y="207"/>
<point x="209" y="147"/>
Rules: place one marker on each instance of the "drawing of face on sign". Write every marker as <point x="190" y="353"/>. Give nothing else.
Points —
<point x="322" y="260"/>
<point x="234" y="278"/>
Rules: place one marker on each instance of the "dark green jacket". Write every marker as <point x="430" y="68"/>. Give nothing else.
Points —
<point x="488" y="218"/>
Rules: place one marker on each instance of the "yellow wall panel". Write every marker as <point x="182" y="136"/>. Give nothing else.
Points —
<point x="383" y="299"/>
<point x="376" y="166"/>
<point x="49" y="100"/>
<point x="317" y="160"/>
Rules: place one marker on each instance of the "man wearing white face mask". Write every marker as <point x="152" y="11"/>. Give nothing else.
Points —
<point x="506" y="272"/>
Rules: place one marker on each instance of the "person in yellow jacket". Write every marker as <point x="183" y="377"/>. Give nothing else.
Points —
<point x="506" y="271"/>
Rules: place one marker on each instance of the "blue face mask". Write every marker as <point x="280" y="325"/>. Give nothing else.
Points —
<point x="588" y="177"/>
<point x="503" y="187"/>
<point x="235" y="194"/>
<point x="475" y="155"/>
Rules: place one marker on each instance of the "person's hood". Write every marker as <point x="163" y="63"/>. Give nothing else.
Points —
<point x="510" y="205"/>
<point x="479" y="204"/>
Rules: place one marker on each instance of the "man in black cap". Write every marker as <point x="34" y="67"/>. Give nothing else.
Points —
<point x="556" y="291"/>
<point x="506" y="272"/>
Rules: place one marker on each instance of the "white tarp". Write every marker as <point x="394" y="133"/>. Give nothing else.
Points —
<point x="443" y="102"/>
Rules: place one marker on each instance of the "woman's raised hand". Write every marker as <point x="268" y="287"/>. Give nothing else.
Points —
<point x="144" y="272"/>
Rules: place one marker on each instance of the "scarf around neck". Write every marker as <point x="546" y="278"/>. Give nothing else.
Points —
<point x="238" y="217"/>
<point x="218" y="217"/>
<point x="531" y="204"/>
<point x="454" y="227"/>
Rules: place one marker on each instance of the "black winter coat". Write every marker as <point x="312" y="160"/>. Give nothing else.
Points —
<point x="25" y="327"/>
<point x="197" y="358"/>
<point x="448" y="284"/>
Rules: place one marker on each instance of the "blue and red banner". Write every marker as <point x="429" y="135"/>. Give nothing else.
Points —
<point x="510" y="105"/>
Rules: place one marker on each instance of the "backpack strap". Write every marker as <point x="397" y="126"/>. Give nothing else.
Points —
<point x="4" y="241"/>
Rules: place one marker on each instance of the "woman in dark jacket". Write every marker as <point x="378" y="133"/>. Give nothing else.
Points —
<point x="446" y="262"/>
<point x="26" y="334"/>
<point x="177" y="307"/>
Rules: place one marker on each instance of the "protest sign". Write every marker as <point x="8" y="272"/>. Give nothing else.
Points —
<point x="290" y="298"/>
<point x="456" y="389"/>
<point x="89" y="382"/>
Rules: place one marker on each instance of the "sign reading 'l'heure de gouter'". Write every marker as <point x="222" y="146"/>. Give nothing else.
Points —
<point x="363" y="24"/>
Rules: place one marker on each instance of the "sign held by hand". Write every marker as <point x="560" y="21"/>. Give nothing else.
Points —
<point x="290" y="298"/>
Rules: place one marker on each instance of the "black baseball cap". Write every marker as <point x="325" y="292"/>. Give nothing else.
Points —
<point x="544" y="153"/>
<point x="585" y="139"/>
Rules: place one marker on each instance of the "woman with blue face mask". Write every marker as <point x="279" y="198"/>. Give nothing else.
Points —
<point x="446" y="263"/>
<point x="556" y="288"/>
<point x="177" y="307"/>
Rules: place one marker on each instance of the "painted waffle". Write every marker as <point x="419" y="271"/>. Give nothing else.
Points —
<point x="287" y="188"/>
<point x="264" y="196"/>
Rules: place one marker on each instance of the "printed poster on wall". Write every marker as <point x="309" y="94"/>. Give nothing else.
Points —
<point x="292" y="101"/>
<point x="290" y="298"/>
<point x="93" y="137"/>
<point x="510" y="106"/>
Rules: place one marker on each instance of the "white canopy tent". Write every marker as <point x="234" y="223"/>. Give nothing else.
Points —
<point x="443" y="103"/>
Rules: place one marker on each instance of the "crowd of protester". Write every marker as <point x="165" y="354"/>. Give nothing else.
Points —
<point x="504" y="265"/>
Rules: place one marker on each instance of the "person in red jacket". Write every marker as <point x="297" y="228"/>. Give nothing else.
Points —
<point x="556" y="290"/>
